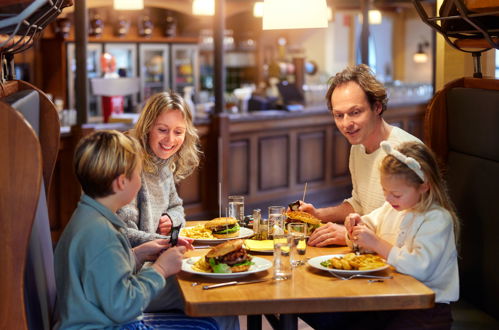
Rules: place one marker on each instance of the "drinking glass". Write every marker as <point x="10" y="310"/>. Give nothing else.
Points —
<point x="283" y="245"/>
<point x="298" y="232"/>
<point x="236" y="208"/>
<point x="276" y="220"/>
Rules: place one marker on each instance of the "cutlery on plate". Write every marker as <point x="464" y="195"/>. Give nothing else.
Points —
<point x="218" y="285"/>
<point x="360" y="276"/>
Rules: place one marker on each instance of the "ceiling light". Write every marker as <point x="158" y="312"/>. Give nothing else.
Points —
<point x="421" y="56"/>
<point x="294" y="14"/>
<point x="128" y="4"/>
<point x="203" y="7"/>
<point x="258" y="9"/>
<point x="375" y="17"/>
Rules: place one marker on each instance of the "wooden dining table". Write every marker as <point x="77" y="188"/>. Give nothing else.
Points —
<point x="309" y="290"/>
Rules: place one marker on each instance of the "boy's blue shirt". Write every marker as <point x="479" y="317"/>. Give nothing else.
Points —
<point x="97" y="284"/>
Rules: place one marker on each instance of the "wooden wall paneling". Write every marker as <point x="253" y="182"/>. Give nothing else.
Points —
<point x="341" y="152"/>
<point x="273" y="165"/>
<point x="253" y="161"/>
<point x="54" y="77"/>
<point x="239" y="167"/>
<point x="292" y="159"/>
<point x="311" y="159"/>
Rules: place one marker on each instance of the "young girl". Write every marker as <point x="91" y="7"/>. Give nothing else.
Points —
<point x="415" y="230"/>
<point x="100" y="283"/>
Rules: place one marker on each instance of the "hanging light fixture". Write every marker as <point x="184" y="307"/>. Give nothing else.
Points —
<point x="203" y="7"/>
<point x="421" y="56"/>
<point x="375" y="17"/>
<point x="330" y="14"/>
<point x="258" y="9"/>
<point x="294" y="14"/>
<point x="128" y="4"/>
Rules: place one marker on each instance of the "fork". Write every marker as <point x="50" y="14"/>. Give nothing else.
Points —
<point x="360" y="276"/>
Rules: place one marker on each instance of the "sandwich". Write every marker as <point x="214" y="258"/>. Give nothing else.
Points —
<point x="229" y="257"/>
<point x="300" y="216"/>
<point x="225" y="227"/>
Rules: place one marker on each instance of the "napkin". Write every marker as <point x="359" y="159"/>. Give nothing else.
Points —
<point x="254" y="245"/>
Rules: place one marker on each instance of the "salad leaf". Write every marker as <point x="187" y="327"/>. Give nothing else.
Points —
<point x="219" y="268"/>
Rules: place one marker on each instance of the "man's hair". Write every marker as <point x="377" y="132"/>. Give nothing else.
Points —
<point x="103" y="156"/>
<point x="363" y="76"/>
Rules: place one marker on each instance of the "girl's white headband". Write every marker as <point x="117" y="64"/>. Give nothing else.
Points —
<point x="409" y="161"/>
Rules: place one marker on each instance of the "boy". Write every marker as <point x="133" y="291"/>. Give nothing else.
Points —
<point x="100" y="282"/>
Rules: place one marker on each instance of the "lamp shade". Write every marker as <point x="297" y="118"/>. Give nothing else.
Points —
<point x="294" y="14"/>
<point x="128" y="4"/>
<point x="375" y="17"/>
<point x="203" y="7"/>
<point x="258" y="9"/>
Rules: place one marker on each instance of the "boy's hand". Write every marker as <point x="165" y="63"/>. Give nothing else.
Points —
<point x="170" y="261"/>
<point x="149" y="251"/>
<point x="186" y="242"/>
<point x="165" y="225"/>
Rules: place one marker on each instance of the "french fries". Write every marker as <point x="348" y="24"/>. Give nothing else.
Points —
<point x="351" y="261"/>
<point x="197" y="232"/>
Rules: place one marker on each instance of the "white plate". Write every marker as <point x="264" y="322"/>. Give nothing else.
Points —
<point x="243" y="233"/>
<point x="260" y="265"/>
<point x="316" y="263"/>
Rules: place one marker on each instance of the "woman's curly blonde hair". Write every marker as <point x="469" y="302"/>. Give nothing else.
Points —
<point x="186" y="159"/>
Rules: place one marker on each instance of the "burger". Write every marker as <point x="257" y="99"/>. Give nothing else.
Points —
<point x="299" y="216"/>
<point x="229" y="257"/>
<point x="225" y="227"/>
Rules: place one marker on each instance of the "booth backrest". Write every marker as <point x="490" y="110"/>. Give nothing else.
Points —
<point x="470" y="156"/>
<point x="39" y="279"/>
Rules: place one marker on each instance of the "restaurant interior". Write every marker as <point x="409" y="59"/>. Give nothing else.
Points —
<point x="256" y="84"/>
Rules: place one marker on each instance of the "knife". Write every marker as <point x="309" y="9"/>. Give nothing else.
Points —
<point x="213" y="286"/>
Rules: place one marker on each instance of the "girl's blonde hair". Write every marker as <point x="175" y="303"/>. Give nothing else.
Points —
<point x="437" y="192"/>
<point x="183" y="162"/>
<point x="103" y="156"/>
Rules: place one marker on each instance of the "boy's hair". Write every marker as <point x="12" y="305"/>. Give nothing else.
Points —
<point x="183" y="162"/>
<point x="103" y="156"/>
<point x="363" y="76"/>
<point x="437" y="192"/>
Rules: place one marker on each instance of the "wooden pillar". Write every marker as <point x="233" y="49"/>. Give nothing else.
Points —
<point x="218" y="40"/>
<point x="364" y="34"/>
<point x="81" y="39"/>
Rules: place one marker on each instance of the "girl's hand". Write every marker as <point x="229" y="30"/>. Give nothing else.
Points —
<point x="364" y="237"/>
<point x="170" y="261"/>
<point x="165" y="225"/>
<point x="149" y="251"/>
<point x="186" y="242"/>
<point x="352" y="220"/>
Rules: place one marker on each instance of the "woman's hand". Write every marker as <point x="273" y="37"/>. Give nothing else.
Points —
<point x="170" y="261"/>
<point x="165" y="225"/>
<point x="330" y="233"/>
<point x="149" y="251"/>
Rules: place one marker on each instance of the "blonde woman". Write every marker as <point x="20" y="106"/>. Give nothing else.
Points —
<point x="170" y="150"/>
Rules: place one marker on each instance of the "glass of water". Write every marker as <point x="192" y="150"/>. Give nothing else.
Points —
<point x="283" y="244"/>
<point x="276" y="219"/>
<point x="298" y="232"/>
<point x="236" y="208"/>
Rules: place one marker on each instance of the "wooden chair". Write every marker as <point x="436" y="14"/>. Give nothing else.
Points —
<point x="20" y="177"/>
<point x="37" y="262"/>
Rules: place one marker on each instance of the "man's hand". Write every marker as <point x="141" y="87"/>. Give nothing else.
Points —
<point x="330" y="233"/>
<point x="309" y="208"/>
<point x="165" y="225"/>
<point x="149" y="251"/>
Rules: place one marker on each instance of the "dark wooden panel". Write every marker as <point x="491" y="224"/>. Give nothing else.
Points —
<point x="311" y="156"/>
<point x="341" y="152"/>
<point x="189" y="188"/>
<point x="415" y="126"/>
<point x="239" y="167"/>
<point x="273" y="164"/>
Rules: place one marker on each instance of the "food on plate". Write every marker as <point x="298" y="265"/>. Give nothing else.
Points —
<point x="351" y="261"/>
<point x="225" y="227"/>
<point x="299" y="216"/>
<point x="228" y="257"/>
<point x="197" y="232"/>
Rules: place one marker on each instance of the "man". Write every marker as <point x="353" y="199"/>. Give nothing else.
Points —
<point x="357" y="101"/>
